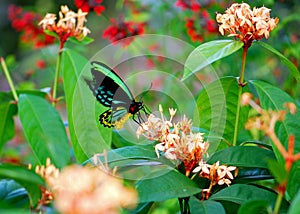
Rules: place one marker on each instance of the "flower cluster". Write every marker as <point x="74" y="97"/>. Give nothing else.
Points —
<point x="266" y="121"/>
<point x="246" y="24"/>
<point x="50" y="173"/>
<point x="216" y="173"/>
<point x="26" y="23"/>
<point x="93" y="191"/>
<point x="177" y="141"/>
<point x="87" y="5"/>
<point x="202" y="20"/>
<point x="123" y="29"/>
<point x="199" y="25"/>
<point x="70" y="24"/>
<point x="188" y="5"/>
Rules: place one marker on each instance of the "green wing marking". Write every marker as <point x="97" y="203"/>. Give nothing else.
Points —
<point x="107" y="71"/>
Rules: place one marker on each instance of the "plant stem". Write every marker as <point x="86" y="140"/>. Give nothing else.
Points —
<point x="9" y="80"/>
<point x="242" y="74"/>
<point x="241" y="85"/>
<point x="278" y="203"/>
<point x="55" y="84"/>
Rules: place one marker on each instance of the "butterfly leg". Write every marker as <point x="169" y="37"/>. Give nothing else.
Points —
<point x="138" y="122"/>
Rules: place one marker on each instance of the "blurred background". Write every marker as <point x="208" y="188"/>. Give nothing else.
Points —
<point x="31" y="54"/>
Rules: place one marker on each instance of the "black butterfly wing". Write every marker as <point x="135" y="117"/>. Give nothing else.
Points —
<point x="108" y="87"/>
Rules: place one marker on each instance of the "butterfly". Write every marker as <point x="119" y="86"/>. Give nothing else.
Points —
<point x="111" y="91"/>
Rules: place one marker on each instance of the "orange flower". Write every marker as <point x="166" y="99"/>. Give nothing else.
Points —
<point x="246" y="24"/>
<point x="90" y="190"/>
<point x="177" y="141"/>
<point x="216" y="173"/>
<point x="70" y="24"/>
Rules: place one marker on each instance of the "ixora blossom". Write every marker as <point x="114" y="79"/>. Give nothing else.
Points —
<point x="266" y="121"/>
<point x="177" y="141"/>
<point x="87" y="5"/>
<point x="123" y="30"/>
<point x="94" y="191"/>
<point x="26" y="23"/>
<point x="216" y="173"/>
<point x="188" y="4"/>
<point x="49" y="173"/>
<point x="70" y="24"/>
<point x="246" y="24"/>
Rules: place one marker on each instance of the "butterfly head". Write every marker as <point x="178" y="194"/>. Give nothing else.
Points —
<point x="135" y="107"/>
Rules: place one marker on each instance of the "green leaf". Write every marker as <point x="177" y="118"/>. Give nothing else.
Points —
<point x="285" y="60"/>
<point x="293" y="185"/>
<point x="254" y="206"/>
<point x="208" y="53"/>
<point x="242" y="193"/>
<point x="133" y="162"/>
<point x="251" y="174"/>
<point x="217" y="106"/>
<point x="278" y="170"/>
<point x="44" y="130"/>
<point x="8" y="110"/>
<point x="295" y="208"/>
<point x="274" y="98"/>
<point x="51" y="33"/>
<point x="129" y="152"/>
<point x="85" y="41"/>
<point x="88" y="137"/>
<point x="164" y="185"/>
<point x="12" y="195"/>
<point x="26" y="178"/>
<point x="246" y="156"/>
<point x="205" y="207"/>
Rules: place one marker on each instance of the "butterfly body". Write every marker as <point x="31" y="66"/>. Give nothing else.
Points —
<point x="110" y="90"/>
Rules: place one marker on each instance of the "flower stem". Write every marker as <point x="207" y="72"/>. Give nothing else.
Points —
<point x="241" y="84"/>
<point x="55" y="84"/>
<point x="278" y="203"/>
<point x="242" y="74"/>
<point x="9" y="80"/>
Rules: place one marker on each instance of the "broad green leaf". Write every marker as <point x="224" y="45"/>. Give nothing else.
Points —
<point x="251" y="174"/>
<point x="44" y="130"/>
<point x="12" y="195"/>
<point x="165" y="185"/>
<point x="254" y="206"/>
<point x="88" y="137"/>
<point x="142" y="208"/>
<point x="217" y="106"/>
<point x="129" y="152"/>
<point x="208" y="53"/>
<point x="246" y="156"/>
<point x="242" y="193"/>
<point x="8" y="110"/>
<point x="286" y="61"/>
<point x="39" y="93"/>
<point x="293" y="185"/>
<point x="295" y="208"/>
<point x="26" y="178"/>
<point x="274" y="98"/>
<point x="278" y="170"/>
<point x="133" y="162"/>
<point x="205" y="207"/>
